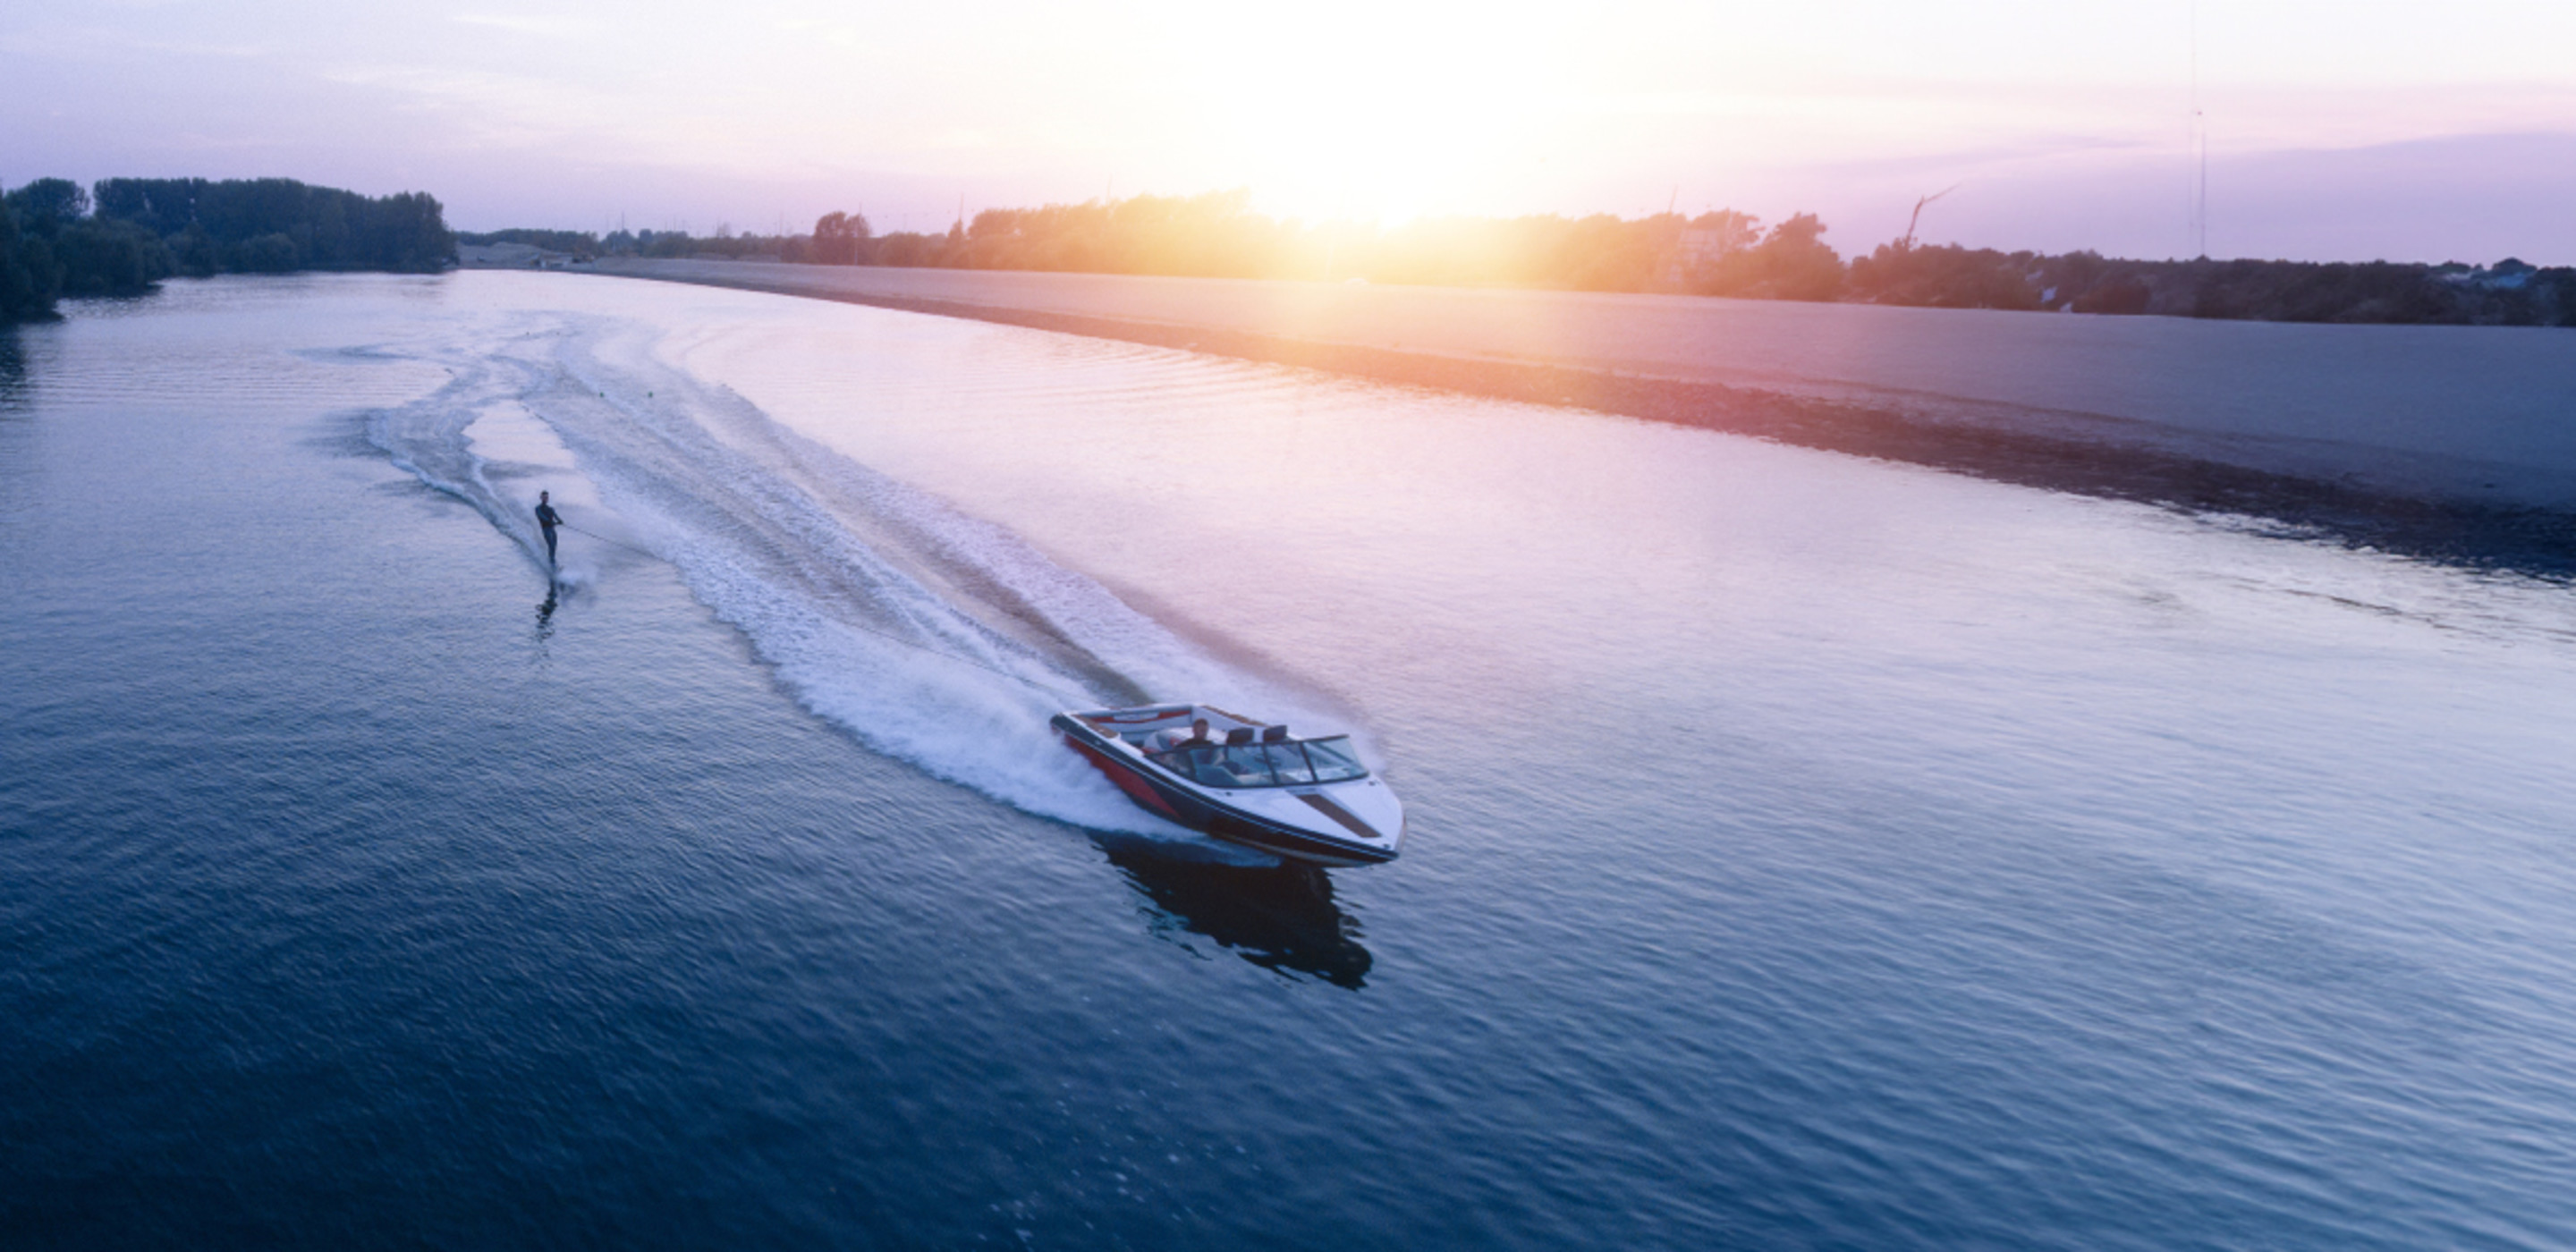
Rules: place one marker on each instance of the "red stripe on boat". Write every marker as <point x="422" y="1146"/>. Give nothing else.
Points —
<point x="1126" y="779"/>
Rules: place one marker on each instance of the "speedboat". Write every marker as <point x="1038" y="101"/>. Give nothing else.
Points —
<point x="1243" y="781"/>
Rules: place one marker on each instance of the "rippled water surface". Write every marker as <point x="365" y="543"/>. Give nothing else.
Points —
<point x="1804" y="851"/>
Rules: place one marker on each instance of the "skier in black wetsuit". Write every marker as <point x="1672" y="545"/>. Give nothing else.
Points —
<point x="547" y="520"/>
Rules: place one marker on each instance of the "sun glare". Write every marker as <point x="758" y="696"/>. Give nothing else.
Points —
<point x="1413" y="122"/>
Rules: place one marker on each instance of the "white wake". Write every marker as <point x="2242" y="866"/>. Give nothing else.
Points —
<point x="930" y="636"/>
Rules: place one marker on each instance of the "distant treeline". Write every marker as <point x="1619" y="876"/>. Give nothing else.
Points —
<point x="2508" y="293"/>
<point x="119" y="238"/>
<point x="1722" y="253"/>
<point x="1217" y="236"/>
<point x="576" y="242"/>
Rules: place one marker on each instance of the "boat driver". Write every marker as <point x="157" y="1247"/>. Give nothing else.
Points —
<point x="1173" y="740"/>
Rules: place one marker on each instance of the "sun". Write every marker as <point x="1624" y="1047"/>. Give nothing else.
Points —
<point x="1384" y="131"/>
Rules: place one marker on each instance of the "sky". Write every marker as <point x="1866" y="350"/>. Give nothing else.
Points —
<point x="2352" y="130"/>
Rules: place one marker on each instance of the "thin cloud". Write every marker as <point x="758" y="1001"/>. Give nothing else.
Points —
<point x="540" y="25"/>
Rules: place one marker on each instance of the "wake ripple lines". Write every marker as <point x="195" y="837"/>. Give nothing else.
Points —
<point x="930" y="636"/>
<point x="427" y="439"/>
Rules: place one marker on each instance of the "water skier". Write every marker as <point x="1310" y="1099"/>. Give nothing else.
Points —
<point x="547" y="520"/>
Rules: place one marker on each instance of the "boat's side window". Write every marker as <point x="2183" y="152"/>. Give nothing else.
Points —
<point x="1333" y="759"/>
<point x="1265" y="764"/>
<point x="1216" y="766"/>
<point x="1288" y="761"/>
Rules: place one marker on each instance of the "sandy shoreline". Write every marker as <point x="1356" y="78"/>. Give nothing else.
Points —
<point x="2496" y="487"/>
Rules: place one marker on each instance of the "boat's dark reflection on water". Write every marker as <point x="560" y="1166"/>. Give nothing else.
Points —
<point x="1279" y="917"/>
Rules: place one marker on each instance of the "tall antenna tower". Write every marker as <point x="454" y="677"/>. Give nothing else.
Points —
<point x="2199" y="152"/>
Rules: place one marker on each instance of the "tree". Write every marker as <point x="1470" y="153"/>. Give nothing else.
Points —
<point x="904" y="248"/>
<point x="837" y="238"/>
<point x="47" y="205"/>
<point x="194" y="253"/>
<point x="1791" y="263"/>
<point x="272" y="253"/>
<point x="164" y="206"/>
<point x="110" y="258"/>
<point x="407" y="233"/>
<point x="1800" y="265"/>
<point x="26" y="289"/>
<point x="1727" y="230"/>
<point x="1944" y="276"/>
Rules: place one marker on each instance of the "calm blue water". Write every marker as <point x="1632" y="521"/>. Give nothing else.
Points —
<point x="1805" y="851"/>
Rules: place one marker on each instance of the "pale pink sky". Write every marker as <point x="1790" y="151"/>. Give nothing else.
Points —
<point x="2346" y="130"/>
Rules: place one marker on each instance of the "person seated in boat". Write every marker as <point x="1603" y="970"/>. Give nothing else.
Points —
<point x="1191" y="756"/>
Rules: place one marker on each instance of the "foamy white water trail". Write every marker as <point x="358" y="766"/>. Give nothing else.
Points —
<point x="929" y="635"/>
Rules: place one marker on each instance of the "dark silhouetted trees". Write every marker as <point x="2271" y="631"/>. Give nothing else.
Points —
<point x="47" y="205"/>
<point x="27" y="280"/>
<point x="838" y="238"/>
<point x="1218" y="235"/>
<point x="124" y="234"/>
<point x="133" y="232"/>
<point x="324" y="227"/>
<point x="1720" y="253"/>
<point x="1793" y="262"/>
<point x="1944" y="276"/>
<point x="55" y="249"/>
<point x="2511" y="293"/>
<point x="107" y="258"/>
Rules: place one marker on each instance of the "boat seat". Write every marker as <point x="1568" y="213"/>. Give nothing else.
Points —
<point x="1238" y="736"/>
<point x="1274" y="734"/>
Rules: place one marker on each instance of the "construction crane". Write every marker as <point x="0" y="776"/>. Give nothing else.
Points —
<point x="1907" y="244"/>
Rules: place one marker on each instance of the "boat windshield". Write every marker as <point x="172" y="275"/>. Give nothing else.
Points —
<point x="1333" y="759"/>
<point x="1286" y="764"/>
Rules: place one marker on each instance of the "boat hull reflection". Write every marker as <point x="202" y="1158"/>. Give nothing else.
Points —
<point x="1280" y="917"/>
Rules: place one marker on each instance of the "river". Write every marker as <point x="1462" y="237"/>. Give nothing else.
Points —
<point x="1804" y="849"/>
